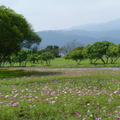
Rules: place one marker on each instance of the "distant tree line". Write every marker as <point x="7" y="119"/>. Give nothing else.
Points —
<point x="105" y="51"/>
<point x="33" y="56"/>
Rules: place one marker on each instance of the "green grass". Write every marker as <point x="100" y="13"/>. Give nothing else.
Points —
<point x="12" y="73"/>
<point x="62" y="63"/>
<point x="35" y="94"/>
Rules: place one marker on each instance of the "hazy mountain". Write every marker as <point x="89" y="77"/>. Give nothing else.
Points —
<point x="60" y="38"/>
<point x="87" y="34"/>
<point x="107" y="26"/>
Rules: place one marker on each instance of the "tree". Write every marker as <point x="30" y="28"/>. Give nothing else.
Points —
<point x="47" y="57"/>
<point x="98" y="50"/>
<point x="53" y="49"/>
<point x="113" y="53"/>
<point x="76" y="54"/>
<point x="21" y="58"/>
<point x="11" y="60"/>
<point x="89" y="54"/>
<point x="32" y="58"/>
<point x="15" y="33"/>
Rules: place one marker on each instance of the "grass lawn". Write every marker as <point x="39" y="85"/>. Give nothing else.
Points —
<point x="62" y="63"/>
<point x="59" y="94"/>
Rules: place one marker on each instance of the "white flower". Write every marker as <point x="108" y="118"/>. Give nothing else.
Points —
<point x="53" y="102"/>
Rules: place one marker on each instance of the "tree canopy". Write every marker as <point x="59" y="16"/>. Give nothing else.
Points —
<point x="15" y="33"/>
<point x="98" y="50"/>
<point x="105" y="51"/>
<point x="53" y="49"/>
<point x="76" y="54"/>
<point x="47" y="57"/>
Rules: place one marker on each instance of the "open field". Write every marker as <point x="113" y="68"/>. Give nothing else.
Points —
<point x="62" y="63"/>
<point x="58" y="94"/>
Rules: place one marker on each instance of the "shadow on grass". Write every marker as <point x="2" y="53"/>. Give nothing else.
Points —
<point x="8" y="73"/>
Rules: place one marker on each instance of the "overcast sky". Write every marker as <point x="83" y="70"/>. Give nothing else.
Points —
<point x="64" y="14"/>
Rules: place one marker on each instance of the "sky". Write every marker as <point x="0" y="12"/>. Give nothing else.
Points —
<point x="64" y="14"/>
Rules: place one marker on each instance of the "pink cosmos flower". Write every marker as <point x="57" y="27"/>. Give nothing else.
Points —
<point x="16" y="104"/>
<point x="77" y="114"/>
<point x="98" y="119"/>
<point x="117" y="117"/>
<point x="110" y="114"/>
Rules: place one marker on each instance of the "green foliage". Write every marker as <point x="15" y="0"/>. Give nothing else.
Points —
<point x="15" y="33"/>
<point x="76" y="54"/>
<point x="118" y="49"/>
<point x="109" y="56"/>
<point x="112" y="53"/>
<point x="88" y="53"/>
<point x="11" y="60"/>
<point x="100" y="50"/>
<point x="53" y="49"/>
<point x="47" y="57"/>
<point x="32" y="58"/>
<point x="103" y="51"/>
<point x="21" y="58"/>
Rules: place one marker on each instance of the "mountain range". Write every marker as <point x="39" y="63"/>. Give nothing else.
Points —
<point x="86" y="34"/>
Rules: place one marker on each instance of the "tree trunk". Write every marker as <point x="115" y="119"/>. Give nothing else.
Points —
<point x="95" y="61"/>
<point x="107" y="59"/>
<point x="114" y="60"/>
<point x="103" y="60"/>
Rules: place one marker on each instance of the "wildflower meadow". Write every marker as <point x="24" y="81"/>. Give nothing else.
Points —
<point x="60" y="94"/>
